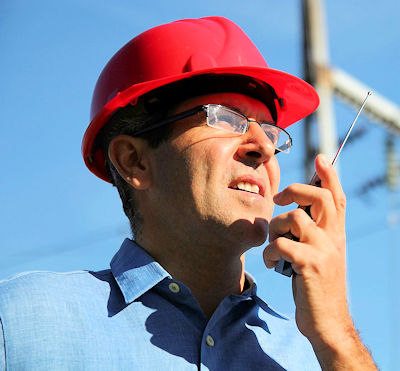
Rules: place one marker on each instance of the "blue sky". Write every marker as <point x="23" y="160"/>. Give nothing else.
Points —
<point x="55" y="215"/>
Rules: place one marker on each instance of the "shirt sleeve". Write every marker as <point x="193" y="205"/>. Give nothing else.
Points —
<point x="2" y="348"/>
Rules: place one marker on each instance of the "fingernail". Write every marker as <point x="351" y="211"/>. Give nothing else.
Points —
<point x="276" y="197"/>
<point x="324" y="160"/>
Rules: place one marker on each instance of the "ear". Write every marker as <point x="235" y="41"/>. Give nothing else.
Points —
<point x="129" y="156"/>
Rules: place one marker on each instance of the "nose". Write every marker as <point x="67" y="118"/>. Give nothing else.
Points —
<point x="256" y="147"/>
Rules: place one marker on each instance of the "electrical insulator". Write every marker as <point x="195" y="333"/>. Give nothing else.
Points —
<point x="392" y="165"/>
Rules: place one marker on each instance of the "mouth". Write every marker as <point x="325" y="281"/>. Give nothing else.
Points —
<point x="253" y="186"/>
<point x="248" y="187"/>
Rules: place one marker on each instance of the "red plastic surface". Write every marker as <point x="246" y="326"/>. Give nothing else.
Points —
<point x="180" y="50"/>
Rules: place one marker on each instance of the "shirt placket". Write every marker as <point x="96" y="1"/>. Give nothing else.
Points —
<point x="212" y="344"/>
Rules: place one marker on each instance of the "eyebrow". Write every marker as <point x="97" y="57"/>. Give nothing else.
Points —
<point x="233" y="108"/>
<point x="236" y="109"/>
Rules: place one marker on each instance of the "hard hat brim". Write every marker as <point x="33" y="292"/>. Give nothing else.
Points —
<point x="298" y="99"/>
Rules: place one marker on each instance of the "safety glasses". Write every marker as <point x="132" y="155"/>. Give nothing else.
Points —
<point x="227" y="119"/>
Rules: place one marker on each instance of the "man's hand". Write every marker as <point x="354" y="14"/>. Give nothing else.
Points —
<point x="319" y="261"/>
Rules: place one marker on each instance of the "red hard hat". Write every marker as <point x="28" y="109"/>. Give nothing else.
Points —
<point x="180" y="50"/>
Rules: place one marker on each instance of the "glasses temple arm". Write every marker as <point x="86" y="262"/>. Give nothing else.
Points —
<point x="169" y="120"/>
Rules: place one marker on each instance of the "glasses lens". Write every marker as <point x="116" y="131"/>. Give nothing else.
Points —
<point x="277" y="136"/>
<point x="223" y="118"/>
<point x="220" y="117"/>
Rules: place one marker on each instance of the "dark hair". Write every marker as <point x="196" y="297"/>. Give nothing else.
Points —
<point x="128" y="120"/>
<point x="155" y="106"/>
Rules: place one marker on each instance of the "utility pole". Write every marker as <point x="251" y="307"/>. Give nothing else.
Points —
<point x="331" y="81"/>
<point x="392" y="181"/>
<point x="316" y="60"/>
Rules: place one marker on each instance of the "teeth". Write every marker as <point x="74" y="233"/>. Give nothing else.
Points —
<point x="245" y="186"/>
<point x="255" y="189"/>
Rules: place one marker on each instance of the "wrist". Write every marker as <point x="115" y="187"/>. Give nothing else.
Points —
<point x="343" y="351"/>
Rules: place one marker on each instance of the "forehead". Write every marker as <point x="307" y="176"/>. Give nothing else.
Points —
<point x="248" y="106"/>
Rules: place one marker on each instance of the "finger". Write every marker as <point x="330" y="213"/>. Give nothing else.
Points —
<point x="279" y="249"/>
<point x="323" y="209"/>
<point x="297" y="222"/>
<point x="289" y="250"/>
<point x="302" y="194"/>
<point x="330" y="180"/>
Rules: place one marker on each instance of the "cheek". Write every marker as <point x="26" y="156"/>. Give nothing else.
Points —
<point x="273" y="174"/>
<point x="202" y="162"/>
<point x="170" y="172"/>
<point x="209" y="165"/>
<point x="218" y="162"/>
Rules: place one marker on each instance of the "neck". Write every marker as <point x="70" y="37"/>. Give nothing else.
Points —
<point x="210" y="273"/>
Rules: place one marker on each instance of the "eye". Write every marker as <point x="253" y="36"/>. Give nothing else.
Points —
<point x="221" y="122"/>
<point x="226" y="118"/>
<point x="223" y="118"/>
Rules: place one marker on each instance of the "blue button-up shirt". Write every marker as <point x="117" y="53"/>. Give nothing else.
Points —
<point x="135" y="316"/>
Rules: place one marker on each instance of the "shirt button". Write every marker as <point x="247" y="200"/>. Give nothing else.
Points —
<point x="210" y="341"/>
<point x="174" y="287"/>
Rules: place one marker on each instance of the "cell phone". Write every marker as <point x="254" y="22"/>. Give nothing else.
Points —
<point x="284" y="267"/>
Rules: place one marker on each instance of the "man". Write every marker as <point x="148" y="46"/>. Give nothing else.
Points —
<point x="187" y="120"/>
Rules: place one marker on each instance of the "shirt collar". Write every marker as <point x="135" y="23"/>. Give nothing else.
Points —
<point x="135" y="271"/>
<point x="251" y="292"/>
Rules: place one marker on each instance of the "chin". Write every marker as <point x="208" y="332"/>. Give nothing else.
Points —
<point x="259" y="232"/>
<point x="250" y="233"/>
